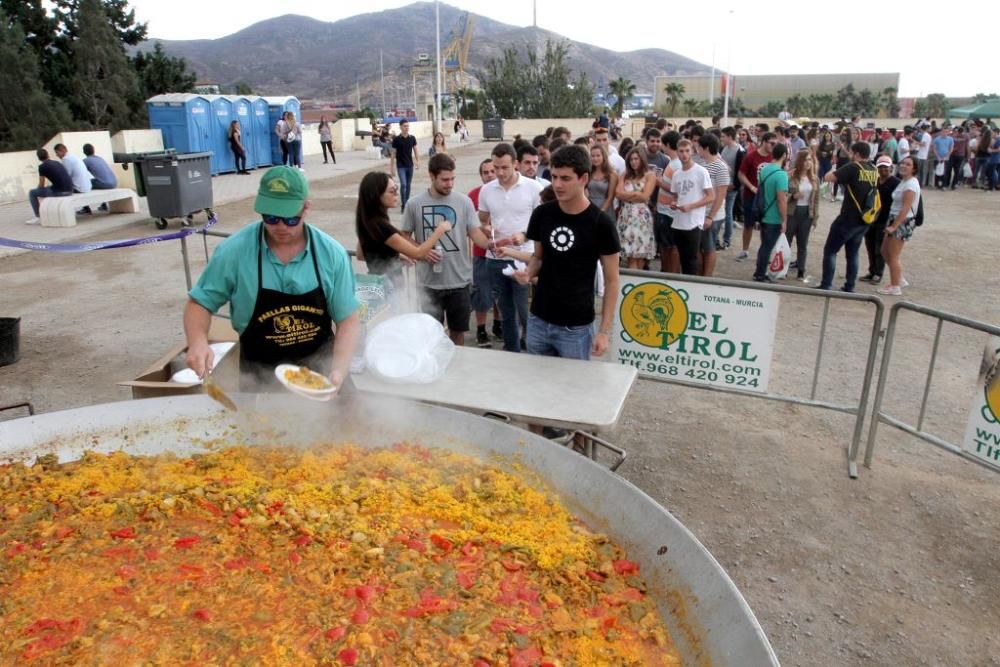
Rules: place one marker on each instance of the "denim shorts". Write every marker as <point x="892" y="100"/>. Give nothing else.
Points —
<point x="553" y="340"/>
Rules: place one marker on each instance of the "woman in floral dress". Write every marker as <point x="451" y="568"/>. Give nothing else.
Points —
<point x="635" y="222"/>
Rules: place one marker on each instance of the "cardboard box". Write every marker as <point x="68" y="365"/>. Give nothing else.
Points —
<point x="155" y="380"/>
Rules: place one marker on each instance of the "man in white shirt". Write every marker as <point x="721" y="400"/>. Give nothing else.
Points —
<point x="505" y="207"/>
<point x="76" y="169"/>
<point x="715" y="215"/>
<point x="617" y="161"/>
<point x="923" y="152"/>
<point x="692" y="186"/>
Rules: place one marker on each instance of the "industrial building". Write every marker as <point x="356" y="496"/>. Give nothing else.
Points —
<point x="756" y="90"/>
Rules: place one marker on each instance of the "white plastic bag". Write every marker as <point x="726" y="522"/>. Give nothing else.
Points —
<point x="780" y="256"/>
<point x="408" y="349"/>
<point x="939" y="168"/>
<point x="966" y="170"/>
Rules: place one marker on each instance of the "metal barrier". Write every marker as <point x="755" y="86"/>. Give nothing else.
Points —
<point x="858" y="409"/>
<point x="879" y="416"/>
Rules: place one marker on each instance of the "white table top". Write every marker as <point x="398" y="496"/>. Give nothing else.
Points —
<point x="564" y="393"/>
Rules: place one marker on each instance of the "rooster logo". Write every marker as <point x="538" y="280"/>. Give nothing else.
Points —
<point x="653" y="314"/>
<point x="992" y="381"/>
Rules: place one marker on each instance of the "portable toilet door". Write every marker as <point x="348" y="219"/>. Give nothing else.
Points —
<point x="222" y="115"/>
<point x="242" y="111"/>
<point x="183" y="121"/>
<point x="277" y="106"/>
<point x="199" y="126"/>
<point x="262" y="131"/>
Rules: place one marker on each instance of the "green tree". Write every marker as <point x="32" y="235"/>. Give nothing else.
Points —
<point x="771" y="109"/>
<point x="797" y="105"/>
<point x="28" y="115"/>
<point x="937" y="105"/>
<point x="159" y="73"/>
<point x="979" y="98"/>
<point x="622" y="89"/>
<point x="866" y="104"/>
<point x="535" y="87"/>
<point x="890" y="102"/>
<point x="691" y="106"/>
<point x="846" y="101"/>
<point x="104" y="83"/>
<point x="120" y="17"/>
<point x="502" y="84"/>
<point x="241" y="88"/>
<point x="675" y="93"/>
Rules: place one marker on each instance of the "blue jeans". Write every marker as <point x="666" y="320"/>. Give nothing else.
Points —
<point x="847" y="235"/>
<point x="405" y="178"/>
<point x="40" y="193"/>
<point x="96" y="184"/>
<point x="552" y="340"/>
<point x="769" y="235"/>
<point x="512" y="299"/>
<point x="727" y="235"/>
<point x="295" y="153"/>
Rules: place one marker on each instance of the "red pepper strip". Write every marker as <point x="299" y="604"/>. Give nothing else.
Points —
<point x="236" y="563"/>
<point x="186" y="542"/>
<point x="442" y="543"/>
<point x="126" y="571"/>
<point x="152" y="553"/>
<point x="275" y="508"/>
<point x="624" y="567"/>
<point x="348" y="656"/>
<point x="192" y="571"/>
<point x="416" y="545"/>
<point x="123" y="551"/>
<point x="64" y="532"/>
<point x="360" y="616"/>
<point x="17" y="550"/>
<point x="333" y="634"/>
<point x="302" y="540"/>
<point x="122" y="590"/>
<point x="596" y="576"/>
<point x="211" y="507"/>
<point x="525" y="658"/>
<point x="242" y="512"/>
<point x="294" y="557"/>
<point x="501" y="625"/>
<point x="479" y="662"/>
<point x="126" y="533"/>
<point x="53" y="634"/>
<point x="262" y="567"/>
<point x="466" y="580"/>
<point x="202" y="614"/>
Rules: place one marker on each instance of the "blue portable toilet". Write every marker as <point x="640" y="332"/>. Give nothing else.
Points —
<point x="184" y="120"/>
<point x="222" y="114"/>
<point x="243" y="112"/>
<point x="263" y="131"/>
<point x="277" y="106"/>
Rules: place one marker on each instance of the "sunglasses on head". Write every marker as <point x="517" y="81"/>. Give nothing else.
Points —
<point x="275" y="219"/>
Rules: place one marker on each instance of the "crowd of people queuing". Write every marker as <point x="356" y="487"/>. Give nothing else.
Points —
<point x="560" y="215"/>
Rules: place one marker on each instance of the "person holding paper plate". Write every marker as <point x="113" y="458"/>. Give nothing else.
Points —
<point x="286" y="283"/>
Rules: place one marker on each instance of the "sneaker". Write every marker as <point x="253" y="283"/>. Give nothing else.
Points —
<point x="867" y="278"/>
<point x="764" y="279"/>
<point x="891" y="290"/>
<point x="905" y="283"/>
<point x="794" y="264"/>
<point x="32" y="221"/>
<point x="804" y="279"/>
<point x="743" y="256"/>
<point x="737" y="224"/>
<point x="482" y="340"/>
<point x="726" y="245"/>
<point x="497" y="329"/>
<point x="720" y="247"/>
<point x="875" y="280"/>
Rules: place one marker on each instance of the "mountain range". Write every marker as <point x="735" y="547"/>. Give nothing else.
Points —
<point x="312" y="59"/>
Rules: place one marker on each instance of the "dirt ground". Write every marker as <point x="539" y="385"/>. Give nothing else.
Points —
<point x="898" y="567"/>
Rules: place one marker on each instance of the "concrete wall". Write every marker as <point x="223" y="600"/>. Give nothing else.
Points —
<point x="18" y="174"/>
<point x="133" y="141"/>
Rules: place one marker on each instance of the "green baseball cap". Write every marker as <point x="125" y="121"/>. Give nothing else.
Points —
<point x="282" y="192"/>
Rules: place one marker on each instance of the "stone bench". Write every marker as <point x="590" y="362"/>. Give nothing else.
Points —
<point x="61" y="211"/>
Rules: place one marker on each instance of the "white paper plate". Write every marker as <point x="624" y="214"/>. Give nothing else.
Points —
<point x="314" y="394"/>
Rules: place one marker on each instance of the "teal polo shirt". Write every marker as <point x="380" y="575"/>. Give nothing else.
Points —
<point x="231" y="275"/>
<point x="777" y="181"/>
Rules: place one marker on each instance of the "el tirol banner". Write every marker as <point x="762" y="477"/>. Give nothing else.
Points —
<point x="982" y="434"/>
<point x="705" y="334"/>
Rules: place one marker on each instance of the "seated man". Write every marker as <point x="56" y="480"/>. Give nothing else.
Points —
<point x="103" y="178"/>
<point x="77" y="172"/>
<point x="56" y="174"/>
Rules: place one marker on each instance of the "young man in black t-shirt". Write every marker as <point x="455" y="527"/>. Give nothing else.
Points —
<point x="571" y="236"/>
<point x="402" y="160"/>
<point x="858" y="177"/>
<point x="56" y="174"/>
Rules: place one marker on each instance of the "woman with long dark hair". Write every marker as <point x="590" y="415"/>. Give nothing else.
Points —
<point x="380" y="244"/>
<point x="803" y="190"/>
<point x="236" y="146"/>
<point x="603" y="180"/>
<point x="326" y="139"/>
<point x="635" y="222"/>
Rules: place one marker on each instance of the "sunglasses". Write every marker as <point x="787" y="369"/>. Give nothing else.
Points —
<point x="275" y="219"/>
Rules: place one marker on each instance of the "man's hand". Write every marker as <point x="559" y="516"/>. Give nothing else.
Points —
<point x="433" y="256"/>
<point x="521" y="277"/>
<point x="601" y="343"/>
<point x="200" y="358"/>
<point x="337" y="380"/>
<point x="707" y="224"/>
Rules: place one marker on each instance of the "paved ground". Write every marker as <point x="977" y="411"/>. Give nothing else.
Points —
<point x="897" y="568"/>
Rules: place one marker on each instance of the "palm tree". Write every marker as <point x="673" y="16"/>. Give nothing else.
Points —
<point x="890" y="102"/>
<point x="622" y="89"/>
<point x="675" y="91"/>
<point x="692" y="106"/>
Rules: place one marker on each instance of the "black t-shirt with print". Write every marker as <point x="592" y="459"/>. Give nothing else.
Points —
<point x="404" y="149"/>
<point x="571" y="248"/>
<point x="859" y="182"/>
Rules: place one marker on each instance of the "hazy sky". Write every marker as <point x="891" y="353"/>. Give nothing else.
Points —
<point x="773" y="38"/>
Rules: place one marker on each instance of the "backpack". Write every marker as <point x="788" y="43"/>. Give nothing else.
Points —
<point x="873" y="204"/>
<point x="758" y="206"/>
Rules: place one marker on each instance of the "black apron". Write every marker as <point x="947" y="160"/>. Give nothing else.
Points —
<point x="287" y="328"/>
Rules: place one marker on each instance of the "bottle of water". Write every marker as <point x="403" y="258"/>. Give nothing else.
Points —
<point x="439" y="266"/>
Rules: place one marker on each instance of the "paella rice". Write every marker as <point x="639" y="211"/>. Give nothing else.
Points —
<point x="335" y="555"/>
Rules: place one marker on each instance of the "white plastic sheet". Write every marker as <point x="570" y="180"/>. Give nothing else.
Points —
<point x="408" y="349"/>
